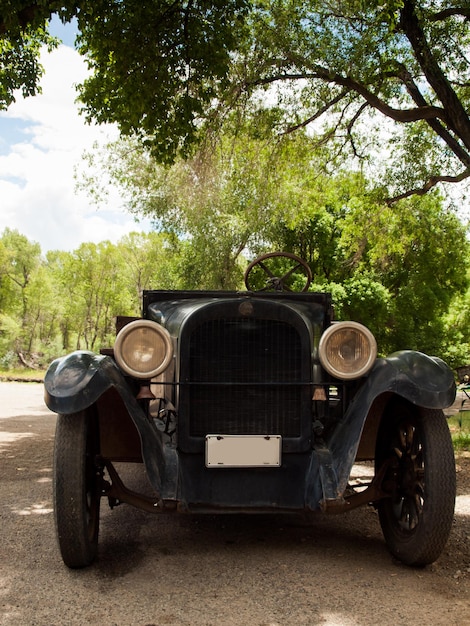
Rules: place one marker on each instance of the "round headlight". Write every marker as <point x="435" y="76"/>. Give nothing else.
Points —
<point x="143" y="349"/>
<point x="347" y="350"/>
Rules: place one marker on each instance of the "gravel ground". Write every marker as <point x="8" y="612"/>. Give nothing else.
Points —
<point x="213" y="570"/>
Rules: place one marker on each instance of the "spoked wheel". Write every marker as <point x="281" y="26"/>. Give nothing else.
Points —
<point x="278" y="271"/>
<point x="77" y="488"/>
<point x="416" y="445"/>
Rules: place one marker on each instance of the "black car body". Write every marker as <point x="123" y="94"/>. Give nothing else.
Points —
<point x="252" y="402"/>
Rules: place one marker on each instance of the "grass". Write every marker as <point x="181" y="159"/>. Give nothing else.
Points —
<point x="22" y="374"/>
<point x="461" y="442"/>
<point x="459" y="425"/>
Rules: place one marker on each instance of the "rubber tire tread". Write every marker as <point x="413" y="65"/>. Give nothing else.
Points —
<point x="428" y="540"/>
<point x="77" y="545"/>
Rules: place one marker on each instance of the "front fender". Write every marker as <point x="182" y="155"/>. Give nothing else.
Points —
<point x="422" y="380"/>
<point x="76" y="381"/>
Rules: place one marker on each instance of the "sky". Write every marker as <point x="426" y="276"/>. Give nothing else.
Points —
<point x="42" y="140"/>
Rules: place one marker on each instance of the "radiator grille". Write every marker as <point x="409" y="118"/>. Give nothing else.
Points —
<point x="245" y="378"/>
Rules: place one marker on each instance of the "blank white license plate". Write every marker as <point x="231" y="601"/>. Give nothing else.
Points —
<point x="243" y="450"/>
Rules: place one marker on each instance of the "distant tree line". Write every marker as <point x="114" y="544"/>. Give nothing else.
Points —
<point x="402" y="271"/>
<point x="55" y="303"/>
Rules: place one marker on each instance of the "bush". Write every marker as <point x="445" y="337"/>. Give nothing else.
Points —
<point x="9" y="360"/>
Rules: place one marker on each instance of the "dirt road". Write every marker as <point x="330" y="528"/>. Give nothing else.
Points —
<point x="256" y="571"/>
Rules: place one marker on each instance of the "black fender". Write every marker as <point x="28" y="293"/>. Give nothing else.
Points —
<point x="76" y="381"/>
<point x="422" y="380"/>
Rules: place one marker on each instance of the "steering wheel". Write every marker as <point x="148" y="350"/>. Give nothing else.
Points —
<point x="277" y="271"/>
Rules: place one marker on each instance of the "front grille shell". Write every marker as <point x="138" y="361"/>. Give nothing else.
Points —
<point x="244" y="375"/>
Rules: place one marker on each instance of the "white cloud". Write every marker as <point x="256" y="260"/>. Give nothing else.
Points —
<point x="37" y="186"/>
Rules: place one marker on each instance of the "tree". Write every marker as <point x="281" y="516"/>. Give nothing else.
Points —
<point x="20" y="259"/>
<point x="150" y="261"/>
<point x="29" y="308"/>
<point x="21" y="39"/>
<point x="216" y="203"/>
<point x="180" y="51"/>
<point x="395" y="268"/>
<point x="91" y="280"/>
<point x="417" y="250"/>
<point x="50" y="306"/>
<point x="167" y="71"/>
<point x="404" y="59"/>
<point x="457" y="323"/>
<point x="97" y="282"/>
<point x="56" y="262"/>
<point x="43" y="316"/>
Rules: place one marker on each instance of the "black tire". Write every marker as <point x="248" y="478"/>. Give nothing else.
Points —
<point x="416" y="520"/>
<point x="77" y="488"/>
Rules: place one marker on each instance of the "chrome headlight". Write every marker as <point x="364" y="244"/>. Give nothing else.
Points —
<point x="347" y="350"/>
<point x="143" y="349"/>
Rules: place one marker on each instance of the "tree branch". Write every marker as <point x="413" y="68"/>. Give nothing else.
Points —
<point x="399" y="115"/>
<point x="318" y="114"/>
<point x="435" y="124"/>
<point x="445" y="13"/>
<point x="352" y="121"/>
<point x="432" y="182"/>
<point x="456" y="117"/>
<point x="28" y="15"/>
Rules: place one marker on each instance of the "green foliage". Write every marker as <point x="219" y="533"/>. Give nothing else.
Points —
<point x="68" y="300"/>
<point x="368" y="301"/>
<point x="19" y="262"/>
<point x="461" y="441"/>
<point x="20" y="68"/>
<point x="349" y="59"/>
<point x="158" y="66"/>
<point x="278" y="97"/>
<point x="400" y="288"/>
<point x="457" y="324"/>
<point x="10" y="330"/>
<point x="385" y="83"/>
<point x="394" y="267"/>
<point x="90" y="280"/>
<point x="8" y="359"/>
<point x="420" y="250"/>
<point x="459" y="425"/>
<point x="150" y="262"/>
<point x="215" y="202"/>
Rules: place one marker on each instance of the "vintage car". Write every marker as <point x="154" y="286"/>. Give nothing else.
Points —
<point x="248" y="402"/>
